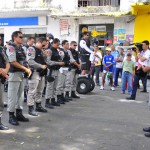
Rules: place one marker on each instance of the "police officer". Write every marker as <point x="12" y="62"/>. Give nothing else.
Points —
<point x="54" y="63"/>
<point x="37" y="62"/>
<point x="75" y="68"/>
<point x="63" y="74"/>
<point x="49" y="38"/>
<point x="30" y="42"/>
<point x="18" y="66"/>
<point x="4" y="67"/>
<point x="85" y="53"/>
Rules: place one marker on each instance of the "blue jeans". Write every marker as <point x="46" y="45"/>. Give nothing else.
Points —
<point x="144" y="82"/>
<point x="135" y="85"/>
<point x="96" y="69"/>
<point x="114" y="71"/>
<point x="118" y="70"/>
<point x="126" y="77"/>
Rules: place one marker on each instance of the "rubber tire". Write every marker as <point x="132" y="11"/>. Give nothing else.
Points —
<point x="87" y="86"/>
<point x="92" y="84"/>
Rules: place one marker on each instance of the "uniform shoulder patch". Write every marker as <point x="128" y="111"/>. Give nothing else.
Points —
<point x="48" y="52"/>
<point x="11" y="49"/>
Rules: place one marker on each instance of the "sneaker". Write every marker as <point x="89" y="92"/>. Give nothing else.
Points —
<point x="101" y="88"/>
<point x="112" y="88"/>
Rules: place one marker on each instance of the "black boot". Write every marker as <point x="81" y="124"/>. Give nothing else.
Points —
<point x="13" y="119"/>
<point x="64" y="99"/>
<point x="54" y="103"/>
<point x="73" y="95"/>
<point x="67" y="96"/>
<point x="31" y="111"/>
<point x="20" y="116"/>
<point x="60" y="99"/>
<point x="39" y="108"/>
<point x="3" y="127"/>
<point x="48" y="104"/>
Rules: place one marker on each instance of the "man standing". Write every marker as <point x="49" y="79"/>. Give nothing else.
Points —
<point x="63" y="83"/>
<point x="147" y="69"/>
<point x="85" y="53"/>
<point x="75" y="69"/>
<point x="142" y="61"/>
<point x="18" y="66"/>
<point x="4" y="67"/>
<point x="54" y="63"/>
<point x="37" y="62"/>
<point x="114" y="53"/>
<point x="30" y="42"/>
<point x="108" y="61"/>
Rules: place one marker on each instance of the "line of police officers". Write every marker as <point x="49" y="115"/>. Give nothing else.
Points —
<point x="59" y="66"/>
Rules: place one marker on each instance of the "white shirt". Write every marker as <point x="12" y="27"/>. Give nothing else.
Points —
<point x="93" y="58"/>
<point x="83" y="45"/>
<point x="145" y="54"/>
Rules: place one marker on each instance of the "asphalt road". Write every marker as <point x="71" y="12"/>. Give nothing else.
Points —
<point x="101" y="120"/>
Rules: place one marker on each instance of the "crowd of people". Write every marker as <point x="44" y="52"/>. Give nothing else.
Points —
<point x="50" y="69"/>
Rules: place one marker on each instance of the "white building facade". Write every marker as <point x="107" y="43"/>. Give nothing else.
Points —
<point x="67" y="19"/>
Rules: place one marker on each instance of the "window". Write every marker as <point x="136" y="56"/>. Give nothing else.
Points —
<point x="84" y="3"/>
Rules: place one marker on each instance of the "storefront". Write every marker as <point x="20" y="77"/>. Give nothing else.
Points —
<point x="142" y="18"/>
<point x="29" y="26"/>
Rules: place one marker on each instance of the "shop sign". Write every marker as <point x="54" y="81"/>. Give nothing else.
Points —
<point x="22" y="21"/>
<point x="108" y="41"/>
<point x="101" y="28"/>
<point x="64" y="27"/>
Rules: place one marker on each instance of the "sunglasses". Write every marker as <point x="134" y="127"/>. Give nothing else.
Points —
<point x="87" y="35"/>
<point x="43" y="45"/>
<point x="21" y="37"/>
<point x="74" y="45"/>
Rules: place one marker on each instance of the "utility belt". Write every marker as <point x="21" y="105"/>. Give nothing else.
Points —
<point x="55" y="67"/>
<point x="42" y="72"/>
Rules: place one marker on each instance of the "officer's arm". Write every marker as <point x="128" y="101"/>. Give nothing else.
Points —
<point x="83" y="45"/>
<point x="31" y="57"/>
<point x="49" y="61"/>
<point x="12" y="58"/>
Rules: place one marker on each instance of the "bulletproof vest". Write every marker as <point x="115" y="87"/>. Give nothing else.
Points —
<point x="75" y="55"/>
<point x="66" y="58"/>
<point x="82" y="50"/>
<point x="20" y="58"/>
<point x="2" y="60"/>
<point x="55" y="57"/>
<point x="39" y="58"/>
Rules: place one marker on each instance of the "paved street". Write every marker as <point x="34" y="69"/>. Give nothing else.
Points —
<point x="101" y="120"/>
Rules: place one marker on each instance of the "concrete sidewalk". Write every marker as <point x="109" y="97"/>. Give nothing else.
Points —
<point x="101" y="120"/>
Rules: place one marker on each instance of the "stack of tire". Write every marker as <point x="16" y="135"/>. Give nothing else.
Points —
<point x="85" y="85"/>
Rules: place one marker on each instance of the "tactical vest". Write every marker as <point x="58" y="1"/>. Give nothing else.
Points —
<point x="20" y="58"/>
<point x="75" y="55"/>
<point x="82" y="50"/>
<point x="55" y="57"/>
<point x="66" y="58"/>
<point x="39" y="58"/>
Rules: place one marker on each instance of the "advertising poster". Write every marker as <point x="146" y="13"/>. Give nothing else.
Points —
<point x="121" y="35"/>
<point x="130" y="38"/>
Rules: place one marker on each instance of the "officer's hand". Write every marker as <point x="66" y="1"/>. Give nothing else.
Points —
<point x="44" y="67"/>
<point x="79" y="66"/>
<point x="28" y="71"/>
<point x="61" y="63"/>
<point x="3" y="72"/>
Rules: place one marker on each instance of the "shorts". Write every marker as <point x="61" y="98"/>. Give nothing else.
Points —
<point x="85" y="63"/>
